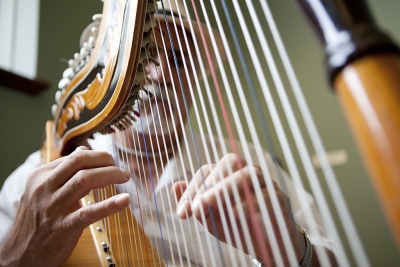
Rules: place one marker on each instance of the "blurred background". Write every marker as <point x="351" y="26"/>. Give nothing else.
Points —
<point x="57" y="26"/>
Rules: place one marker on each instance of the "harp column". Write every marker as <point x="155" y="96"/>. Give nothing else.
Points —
<point x="363" y="65"/>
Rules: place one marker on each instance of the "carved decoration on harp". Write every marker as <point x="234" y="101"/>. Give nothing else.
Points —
<point x="96" y="92"/>
<point x="107" y="75"/>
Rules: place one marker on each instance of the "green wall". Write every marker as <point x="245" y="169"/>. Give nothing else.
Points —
<point x="23" y="116"/>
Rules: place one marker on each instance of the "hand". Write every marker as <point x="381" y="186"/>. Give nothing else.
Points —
<point x="211" y="181"/>
<point x="50" y="219"/>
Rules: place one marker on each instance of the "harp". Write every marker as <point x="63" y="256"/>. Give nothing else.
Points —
<point x="114" y="60"/>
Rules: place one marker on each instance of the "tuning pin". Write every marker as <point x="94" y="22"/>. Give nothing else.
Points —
<point x="147" y="26"/>
<point x="85" y="45"/>
<point x="91" y="42"/>
<point x="95" y="30"/>
<point x="146" y="39"/>
<point x="97" y="17"/>
<point x="63" y="83"/>
<point x="68" y="73"/>
<point x="54" y="110"/>
<point x="58" y="96"/>
<point x="83" y="52"/>
<point x="72" y="63"/>
<point x="77" y="57"/>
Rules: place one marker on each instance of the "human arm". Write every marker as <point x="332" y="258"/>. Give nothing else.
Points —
<point x="49" y="219"/>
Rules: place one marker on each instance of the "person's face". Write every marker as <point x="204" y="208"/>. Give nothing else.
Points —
<point x="165" y="113"/>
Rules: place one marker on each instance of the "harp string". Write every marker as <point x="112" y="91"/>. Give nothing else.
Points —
<point x="210" y="211"/>
<point x="255" y="181"/>
<point x="283" y="230"/>
<point x="275" y="116"/>
<point x="270" y="104"/>
<point x="264" y="252"/>
<point x="215" y="12"/>
<point x="162" y="165"/>
<point x="341" y="207"/>
<point x="207" y="153"/>
<point x="219" y="203"/>
<point x="197" y="116"/>
<point x="281" y="91"/>
<point x="155" y="95"/>
<point x="167" y="159"/>
<point x="219" y="132"/>
<point x="124" y="237"/>
<point x="178" y="143"/>
<point x="127" y="161"/>
<point x="153" y="189"/>
<point x="184" y="133"/>
<point x="287" y="152"/>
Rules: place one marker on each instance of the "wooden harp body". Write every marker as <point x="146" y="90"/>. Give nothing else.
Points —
<point x="99" y="94"/>
<point x="95" y="93"/>
<point x="363" y="67"/>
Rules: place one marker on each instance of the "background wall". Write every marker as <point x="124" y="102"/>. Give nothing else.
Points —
<point x="61" y="22"/>
<point x="23" y="116"/>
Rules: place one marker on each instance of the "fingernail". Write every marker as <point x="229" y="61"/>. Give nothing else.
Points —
<point x="127" y="174"/>
<point x="181" y="210"/>
<point x="122" y="199"/>
<point x="82" y="148"/>
<point x="196" y="203"/>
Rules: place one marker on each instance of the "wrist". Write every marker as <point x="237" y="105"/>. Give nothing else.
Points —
<point x="303" y="249"/>
<point x="6" y="257"/>
<point x="307" y="258"/>
<point x="10" y="249"/>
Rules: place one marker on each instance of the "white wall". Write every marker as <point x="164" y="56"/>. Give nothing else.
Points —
<point x="19" y="29"/>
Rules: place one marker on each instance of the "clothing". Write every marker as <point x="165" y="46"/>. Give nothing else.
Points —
<point x="183" y="241"/>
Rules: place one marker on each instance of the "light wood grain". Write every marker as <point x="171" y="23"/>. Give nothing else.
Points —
<point x="369" y="90"/>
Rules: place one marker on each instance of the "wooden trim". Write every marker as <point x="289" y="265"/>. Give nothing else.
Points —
<point x="15" y="81"/>
<point x="369" y="90"/>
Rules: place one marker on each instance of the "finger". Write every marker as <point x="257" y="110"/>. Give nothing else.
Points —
<point x="43" y="170"/>
<point x="79" y="160"/>
<point x="205" y="178"/>
<point x="178" y="189"/>
<point x="231" y="188"/>
<point x="89" y="214"/>
<point x="191" y="189"/>
<point x="82" y="148"/>
<point x="225" y="167"/>
<point x="85" y="180"/>
<point x="198" y="178"/>
<point x="208" y="174"/>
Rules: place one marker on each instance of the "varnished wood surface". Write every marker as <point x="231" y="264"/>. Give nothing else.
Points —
<point x="123" y="234"/>
<point x="91" y="62"/>
<point x="126" y="75"/>
<point x="127" y="241"/>
<point x="84" y="253"/>
<point x="49" y="149"/>
<point x="369" y="90"/>
<point x="127" y="238"/>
